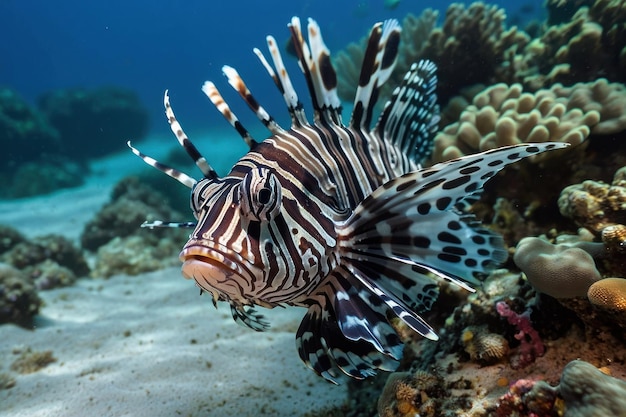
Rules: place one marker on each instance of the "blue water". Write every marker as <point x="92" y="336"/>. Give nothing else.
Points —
<point x="152" y="46"/>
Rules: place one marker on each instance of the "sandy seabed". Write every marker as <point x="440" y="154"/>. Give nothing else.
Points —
<point x="146" y="345"/>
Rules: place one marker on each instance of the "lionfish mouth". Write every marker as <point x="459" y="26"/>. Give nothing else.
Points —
<point x="216" y="268"/>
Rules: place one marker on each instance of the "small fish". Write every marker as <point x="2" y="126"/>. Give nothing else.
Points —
<point x="339" y="219"/>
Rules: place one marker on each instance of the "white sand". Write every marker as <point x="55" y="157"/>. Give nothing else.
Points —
<point x="147" y="345"/>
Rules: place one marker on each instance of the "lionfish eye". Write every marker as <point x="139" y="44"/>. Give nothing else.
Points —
<point x="201" y="192"/>
<point x="260" y="195"/>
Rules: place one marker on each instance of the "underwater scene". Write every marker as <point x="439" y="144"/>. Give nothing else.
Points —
<point x="384" y="208"/>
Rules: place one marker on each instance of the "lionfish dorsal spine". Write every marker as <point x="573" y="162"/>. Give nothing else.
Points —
<point x="283" y="82"/>
<point x="209" y="89"/>
<point x="378" y="63"/>
<point x="179" y="176"/>
<point x="318" y="71"/>
<point x="410" y="118"/>
<point x="235" y="80"/>
<point x="184" y="141"/>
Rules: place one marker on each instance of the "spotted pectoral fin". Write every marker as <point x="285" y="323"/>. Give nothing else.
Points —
<point x="414" y="221"/>
<point x="345" y="330"/>
<point x="249" y="317"/>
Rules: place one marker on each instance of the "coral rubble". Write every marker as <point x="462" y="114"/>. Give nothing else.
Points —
<point x="116" y="235"/>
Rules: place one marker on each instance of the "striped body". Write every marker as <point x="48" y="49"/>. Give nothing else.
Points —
<point x="339" y="219"/>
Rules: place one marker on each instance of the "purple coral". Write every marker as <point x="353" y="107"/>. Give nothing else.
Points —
<point x="531" y="345"/>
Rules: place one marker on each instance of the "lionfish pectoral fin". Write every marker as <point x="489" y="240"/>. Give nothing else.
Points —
<point x="346" y="330"/>
<point x="249" y="317"/>
<point x="412" y="226"/>
<point x="161" y="223"/>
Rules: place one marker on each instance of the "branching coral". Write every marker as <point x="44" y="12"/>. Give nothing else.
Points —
<point x="591" y="44"/>
<point x="608" y="99"/>
<point x="472" y="41"/>
<point x="470" y="46"/>
<point x="531" y="345"/>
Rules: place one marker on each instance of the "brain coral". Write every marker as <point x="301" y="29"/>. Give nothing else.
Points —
<point x="560" y="271"/>
<point x="504" y="115"/>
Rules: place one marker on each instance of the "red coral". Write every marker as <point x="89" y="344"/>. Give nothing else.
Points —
<point x="531" y="346"/>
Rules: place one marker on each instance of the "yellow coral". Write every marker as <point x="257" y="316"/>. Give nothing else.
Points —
<point x="609" y="294"/>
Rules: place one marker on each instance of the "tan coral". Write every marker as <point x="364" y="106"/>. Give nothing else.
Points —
<point x="560" y="271"/>
<point x="595" y="205"/>
<point x="608" y="99"/>
<point x="503" y="115"/>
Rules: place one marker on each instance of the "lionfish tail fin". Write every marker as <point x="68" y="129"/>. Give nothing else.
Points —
<point x="409" y="119"/>
<point x="411" y="228"/>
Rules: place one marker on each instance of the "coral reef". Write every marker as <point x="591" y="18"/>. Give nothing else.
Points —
<point x="608" y="99"/>
<point x="107" y="116"/>
<point x="47" y="248"/>
<point x="19" y="301"/>
<point x="595" y="205"/>
<point x="472" y="41"/>
<point x="483" y="346"/>
<point x="134" y="255"/>
<point x="116" y="235"/>
<point x="49" y="274"/>
<point x="132" y="203"/>
<point x="583" y="391"/>
<point x="588" y="392"/>
<point x="36" y="178"/>
<point x="24" y="132"/>
<point x="475" y="40"/>
<point x="409" y="394"/>
<point x="9" y="237"/>
<point x="531" y="345"/>
<point x="561" y="271"/>
<point x="32" y="161"/>
<point x="503" y="115"/>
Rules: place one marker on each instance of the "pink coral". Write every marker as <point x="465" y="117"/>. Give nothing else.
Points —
<point x="531" y="345"/>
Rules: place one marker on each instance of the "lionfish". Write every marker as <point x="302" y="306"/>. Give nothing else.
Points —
<point x="339" y="219"/>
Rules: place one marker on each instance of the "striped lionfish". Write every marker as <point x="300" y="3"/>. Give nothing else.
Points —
<point x="339" y="219"/>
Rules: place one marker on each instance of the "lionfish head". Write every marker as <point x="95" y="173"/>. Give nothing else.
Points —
<point x="223" y="254"/>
